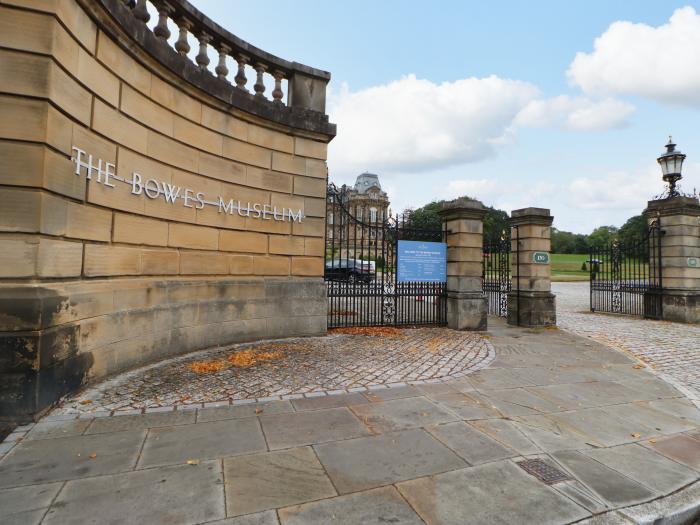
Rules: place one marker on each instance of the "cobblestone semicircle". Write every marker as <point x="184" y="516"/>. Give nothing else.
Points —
<point x="291" y="368"/>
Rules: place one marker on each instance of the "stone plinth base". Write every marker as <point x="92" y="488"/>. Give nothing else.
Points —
<point x="536" y="309"/>
<point x="58" y="337"/>
<point x="466" y="311"/>
<point x="681" y="306"/>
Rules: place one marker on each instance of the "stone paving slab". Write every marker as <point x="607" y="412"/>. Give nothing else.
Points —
<point x="238" y="411"/>
<point x="373" y="507"/>
<point x="616" y="489"/>
<point x="173" y="445"/>
<point x="470" y="444"/>
<point x="308" y="428"/>
<point x="364" y="463"/>
<point x="104" y="425"/>
<point x="683" y="449"/>
<point x="669" y="349"/>
<point x="459" y="497"/>
<point x="336" y="401"/>
<point x="541" y="375"/>
<point x="651" y="470"/>
<point x="400" y="414"/>
<point x="262" y="518"/>
<point x="273" y="480"/>
<point x="27" y="505"/>
<point x="57" y="429"/>
<point x="42" y="461"/>
<point x="508" y="434"/>
<point x="179" y="494"/>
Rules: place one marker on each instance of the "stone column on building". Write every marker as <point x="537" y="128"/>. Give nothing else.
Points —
<point x="679" y="219"/>
<point x="530" y="301"/>
<point x="466" y="303"/>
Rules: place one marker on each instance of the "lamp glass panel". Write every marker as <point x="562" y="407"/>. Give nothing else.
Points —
<point x="664" y="163"/>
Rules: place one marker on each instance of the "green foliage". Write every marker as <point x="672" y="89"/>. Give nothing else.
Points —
<point x="634" y="229"/>
<point x="427" y="218"/>
<point x="603" y="236"/>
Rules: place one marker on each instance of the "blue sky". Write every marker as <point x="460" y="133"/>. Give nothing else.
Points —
<point x="474" y="98"/>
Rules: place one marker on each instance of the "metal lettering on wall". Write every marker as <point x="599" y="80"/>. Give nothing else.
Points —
<point x="105" y="172"/>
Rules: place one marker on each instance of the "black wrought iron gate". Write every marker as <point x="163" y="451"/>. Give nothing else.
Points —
<point x="626" y="277"/>
<point x="360" y="270"/>
<point x="498" y="271"/>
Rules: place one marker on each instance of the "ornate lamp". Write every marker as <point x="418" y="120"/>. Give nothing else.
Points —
<point x="671" y="163"/>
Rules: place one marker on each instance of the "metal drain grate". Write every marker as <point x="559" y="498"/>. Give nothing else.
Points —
<point x="543" y="471"/>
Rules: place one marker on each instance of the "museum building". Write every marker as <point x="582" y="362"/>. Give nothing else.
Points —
<point x="154" y="201"/>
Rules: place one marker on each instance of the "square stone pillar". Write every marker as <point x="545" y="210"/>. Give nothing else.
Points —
<point x="530" y="301"/>
<point x="466" y="303"/>
<point x="679" y="218"/>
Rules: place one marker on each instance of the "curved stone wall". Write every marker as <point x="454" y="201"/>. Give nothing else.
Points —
<point x="148" y="207"/>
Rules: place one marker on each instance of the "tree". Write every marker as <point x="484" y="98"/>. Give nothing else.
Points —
<point x="428" y="218"/>
<point x="603" y="236"/>
<point x="634" y="229"/>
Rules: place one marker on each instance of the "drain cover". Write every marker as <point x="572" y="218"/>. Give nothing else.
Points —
<point x="543" y="471"/>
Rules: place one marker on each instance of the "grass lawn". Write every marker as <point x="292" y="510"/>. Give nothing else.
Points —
<point x="567" y="267"/>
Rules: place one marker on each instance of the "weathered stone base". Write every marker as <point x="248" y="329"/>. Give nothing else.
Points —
<point x="536" y="309"/>
<point x="466" y="311"/>
<point x="57" y="337"/>
<point x="681" y="306"/>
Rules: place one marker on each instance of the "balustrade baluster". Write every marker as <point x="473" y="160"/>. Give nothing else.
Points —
<point x="277" y="93"/>
<point x="161" y="30"/>
<point x="240" y="77"/>
<point x="182" y="46"/>
<point x="202" y="58"/>
<point x="221" y="69"/>
<point x="141" y="11"/>
<point x="259" y="86"/>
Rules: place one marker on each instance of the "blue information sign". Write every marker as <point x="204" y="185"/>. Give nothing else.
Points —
<point x="422" y="261"/>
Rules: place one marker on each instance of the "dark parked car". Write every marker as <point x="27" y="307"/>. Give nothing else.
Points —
<point x="350" y="270"/>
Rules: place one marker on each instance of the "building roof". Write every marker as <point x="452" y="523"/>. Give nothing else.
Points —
<point x="366" y="181"/>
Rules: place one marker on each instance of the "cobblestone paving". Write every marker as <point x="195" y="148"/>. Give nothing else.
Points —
<point x="670" y="349"/>
<point x="337" y="363"/>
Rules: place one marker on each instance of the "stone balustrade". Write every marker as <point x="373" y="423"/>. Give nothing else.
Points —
<point x="242" y="85"/>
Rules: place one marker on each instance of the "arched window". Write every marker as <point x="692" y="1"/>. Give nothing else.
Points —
<point x="373" y="214"/>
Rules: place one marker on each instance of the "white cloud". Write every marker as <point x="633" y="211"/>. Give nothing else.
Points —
<point x="576" y="113"/>
<point x="615" y="190"/>
<point x="660" y="63"/>
<point x="413" y="125"/>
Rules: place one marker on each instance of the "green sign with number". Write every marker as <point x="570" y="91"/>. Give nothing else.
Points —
<point x="540" y="258"/>
<point x="693" y="262"/>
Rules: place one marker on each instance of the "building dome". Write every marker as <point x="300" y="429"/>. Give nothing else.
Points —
<point x="366" y="181"/>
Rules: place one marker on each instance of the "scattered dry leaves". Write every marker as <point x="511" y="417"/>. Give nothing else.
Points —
<point x="652" y="441"/>
<point x="639" y="366"/>
<point x="246" y="358"/>
<point x="258" y="410"/>
<point x="86" y="401"/>
<point x="205" y="367"/>
<point x="193" y="462"/>
<point x="93" y="455"/>
<point x="635" y="435"/>
<point x="371" y="331"/>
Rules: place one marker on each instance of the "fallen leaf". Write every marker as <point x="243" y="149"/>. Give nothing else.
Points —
<point x="652" y="441"/>
<point x="193" y="462"/>
<point x="635" y="435"/>
<point x="639" y="366"/>
<point x="258" y="410"/>
<point x="92" y="455"/>
<point x="86" y="401"/>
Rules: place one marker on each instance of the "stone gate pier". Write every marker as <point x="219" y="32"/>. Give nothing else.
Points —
<point x="679" y="244"/>
<point x="151" y="204"/>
